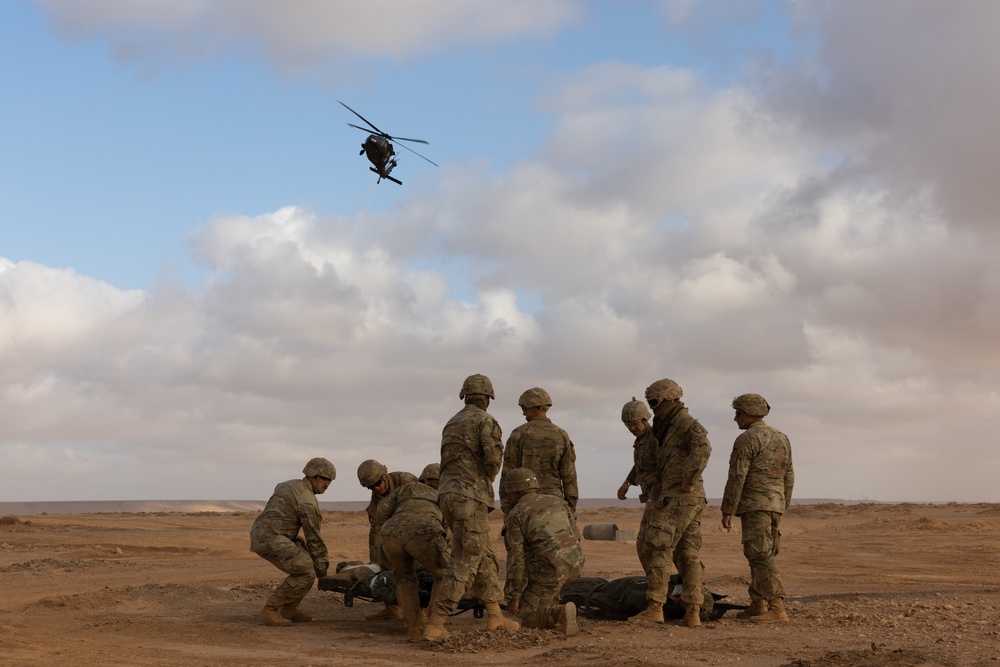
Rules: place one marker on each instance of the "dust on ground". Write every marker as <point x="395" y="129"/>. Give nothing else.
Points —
<point x="877" y="585"/>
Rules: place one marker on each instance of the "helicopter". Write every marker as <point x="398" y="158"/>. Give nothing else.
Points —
<point x="379" y="148"/>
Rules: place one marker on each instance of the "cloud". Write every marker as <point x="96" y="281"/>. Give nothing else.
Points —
<point x="302" y="34"/>
<point x="907" y="91"/>
<point x="801" y="235"/>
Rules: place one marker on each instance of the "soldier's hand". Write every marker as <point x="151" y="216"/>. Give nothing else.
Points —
<point x="371" y="519"/>
<point x="623" y="491"/>
<point x="687" y="487"/>
<point x="727" y="521"/>
<point x="301" y="541"/>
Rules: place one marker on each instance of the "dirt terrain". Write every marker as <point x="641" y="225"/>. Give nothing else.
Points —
<point x="883" y="585"/>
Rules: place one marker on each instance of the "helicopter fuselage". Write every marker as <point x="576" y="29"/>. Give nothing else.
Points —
<point x="380" y="153"/>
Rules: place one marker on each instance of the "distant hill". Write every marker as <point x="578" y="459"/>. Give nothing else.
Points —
<point x="190" y="506"/>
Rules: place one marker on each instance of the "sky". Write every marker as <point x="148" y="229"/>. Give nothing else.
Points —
<point x="202" y="286"/>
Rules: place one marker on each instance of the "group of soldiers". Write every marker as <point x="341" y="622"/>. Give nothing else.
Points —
<point x="440" y="520"/>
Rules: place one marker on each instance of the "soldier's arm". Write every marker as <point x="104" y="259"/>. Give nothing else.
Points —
<point x="739" y="466"/>
<point x="789" y="479"/>
<point x="699" y="451"/>
<point x="514" y="541"/>
<point x="511" y="460"/>
<point x="311" y="520"/>
<point x="492" y="447"/>
<point x="567" y="470"/>
<point x="386" y="508"/>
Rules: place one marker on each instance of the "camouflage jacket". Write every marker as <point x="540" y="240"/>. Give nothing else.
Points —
<point x="471" y="453"/>
<point x="393" y="480"/>
<point x="682" y="451"/>
<point x="547" y="451"/>
<point x="643" y="473"/>
<point x="543" y="544"/>
<point x="414" y="503"/>
<point x="760" y="472"/>
<point x="292" y="507"/>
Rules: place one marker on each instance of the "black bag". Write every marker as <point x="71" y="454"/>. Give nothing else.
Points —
<point x="623" y="598"/>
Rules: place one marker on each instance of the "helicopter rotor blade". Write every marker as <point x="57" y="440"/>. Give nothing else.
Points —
<point x="419" y="141"/>
<point x="393" y="139"/>
<point x="370" y="124"/>
<point x="365" y="129"/>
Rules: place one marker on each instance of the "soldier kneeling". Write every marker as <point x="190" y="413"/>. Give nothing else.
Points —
<point x="543" y="554"/>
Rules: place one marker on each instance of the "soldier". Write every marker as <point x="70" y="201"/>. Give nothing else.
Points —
<point x="758" y="491"/>
<point x="275" y="537"/>
<point x="543" y="554"/>
<point x="376" y="477"/>
<point x="471" y="452"/>
<point x="544" y="448"/>
<point x="636" y="416"/>
<point x="412" y="533"/>
<point x="676" y="503"/>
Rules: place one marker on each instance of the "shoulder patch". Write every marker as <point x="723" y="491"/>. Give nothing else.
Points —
<point x="699" y="429"/>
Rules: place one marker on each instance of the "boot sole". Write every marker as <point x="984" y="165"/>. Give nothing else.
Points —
<point x="572" y="627"/>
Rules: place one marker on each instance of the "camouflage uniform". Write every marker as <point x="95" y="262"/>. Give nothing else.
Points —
<point x="543" y="551"/>
<point x="411" y="531"/>
<point x="292" y="507"/>
<point x="643" y="475"/>
<point x="674" y="528"/>
<point x="759" y="490"/>
<point x="393" y="480"/>
<point x="471" y="451"/>
<point x="547" y="450"/>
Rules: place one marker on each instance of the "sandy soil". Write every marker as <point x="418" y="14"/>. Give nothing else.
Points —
<point x="883" y="585"/>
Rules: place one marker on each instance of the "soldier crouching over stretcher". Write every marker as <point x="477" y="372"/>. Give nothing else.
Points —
<point x="543" y="554"/>
<point x="412" y="532"/>
<point x="275" y="537"/>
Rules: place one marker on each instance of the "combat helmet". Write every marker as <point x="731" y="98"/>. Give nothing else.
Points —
<point x="536" y="397"/>
<point x="634" y="411"/>
<point x="430" y="474"/>
<point x="370" y="472"/>
<point x="320" y="467"/>
<point x="663" y="390"/>
<point x="752" y="404"/>
<point x="477" y="384"/>
<point x="519" y="480"/>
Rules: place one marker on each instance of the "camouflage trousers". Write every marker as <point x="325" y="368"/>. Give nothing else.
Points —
<point x="473" y="564"/>
<point x="405" y="545"/>
<point x="292" y="559"/>
<point x="674" y="533"/>
<point x="537" y="598"/>
<point x="761" y="539"/>
<point x="641" y="546"/>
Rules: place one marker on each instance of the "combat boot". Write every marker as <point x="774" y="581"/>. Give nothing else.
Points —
<point x="495" y="620"/>
<point x="414" y="634"/>
<point x="388" y="612"/>
<point x="434" y="630"/>
<point x="564" y="617"/>
<point x="775" y="613"/>
<point x="757" y="607"/>
<point x="653" y="613"/>
<point x="272" y="616"/>
<point x="692" y="615"/>
<point x="295" y="615"/>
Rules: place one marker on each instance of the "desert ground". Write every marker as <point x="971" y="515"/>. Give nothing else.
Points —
<point x="867" y="584"/>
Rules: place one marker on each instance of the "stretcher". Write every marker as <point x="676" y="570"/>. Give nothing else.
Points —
<point x="368" y="583"/>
